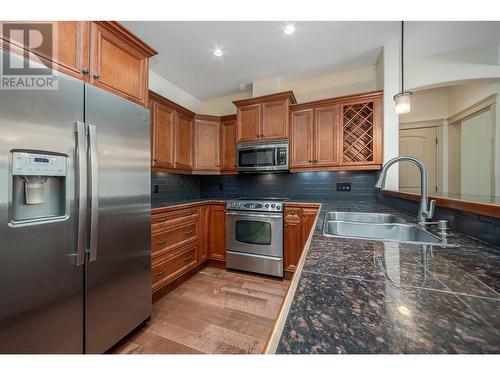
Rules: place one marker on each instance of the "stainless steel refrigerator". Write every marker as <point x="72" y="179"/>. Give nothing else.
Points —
<point x="74" y="219"/>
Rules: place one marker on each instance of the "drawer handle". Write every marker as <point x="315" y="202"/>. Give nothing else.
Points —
<point x="187" y="259"/>
<point x="162" y="220"/>
<point x="161" y="242"/>
<point x="188" y="233"/>
<point x="160" y="273"/>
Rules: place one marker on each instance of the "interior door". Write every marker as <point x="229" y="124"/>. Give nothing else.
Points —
<point x="118" y="280"/>
<point x="41" y="286"/>
<point x="421" y="144"/>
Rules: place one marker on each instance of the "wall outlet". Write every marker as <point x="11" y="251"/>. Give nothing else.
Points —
<point x="343" y="186"/>
<point x="155" y="188"/>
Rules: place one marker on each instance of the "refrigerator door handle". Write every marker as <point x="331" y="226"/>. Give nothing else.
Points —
<point x="81" y="152"/>
<point x="94" y="195"/>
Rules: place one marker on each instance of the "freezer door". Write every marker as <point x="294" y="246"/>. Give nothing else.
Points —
<point x="118" y="272"/>
<point x="41" y="285"/>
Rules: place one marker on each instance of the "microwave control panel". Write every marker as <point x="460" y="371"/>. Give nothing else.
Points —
<point x="282" y="157"/>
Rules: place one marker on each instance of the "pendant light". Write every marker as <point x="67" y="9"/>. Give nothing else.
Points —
<point x="402" y="100"/>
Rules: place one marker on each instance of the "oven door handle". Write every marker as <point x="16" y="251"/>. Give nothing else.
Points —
<point x="261" y="215"/>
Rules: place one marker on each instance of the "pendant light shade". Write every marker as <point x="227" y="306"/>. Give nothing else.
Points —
<point x="403" y="99"/>
<point x="403" y="102"/>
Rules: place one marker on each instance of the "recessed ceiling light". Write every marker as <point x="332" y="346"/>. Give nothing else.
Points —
<point x="289" y="29"/>
<point x="218" y="52"/>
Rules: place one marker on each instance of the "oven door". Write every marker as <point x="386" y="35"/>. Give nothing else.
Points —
<point x="255" y="233"/>
<point x="257" y="159"/>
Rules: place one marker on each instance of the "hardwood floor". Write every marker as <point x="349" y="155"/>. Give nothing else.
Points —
<point x="215" y="312"/>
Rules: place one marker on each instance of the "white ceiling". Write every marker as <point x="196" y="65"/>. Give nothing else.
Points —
<point x="260" y="50"/>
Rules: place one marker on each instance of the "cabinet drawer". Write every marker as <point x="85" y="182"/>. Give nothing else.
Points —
<point x="161" y="222"/>
<point x="172" y="238"/>
<point x="167" y="268"/>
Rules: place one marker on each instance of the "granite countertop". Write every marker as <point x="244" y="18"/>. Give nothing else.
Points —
<point x="361" y="296"/>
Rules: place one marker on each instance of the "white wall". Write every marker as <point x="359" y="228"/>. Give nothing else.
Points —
<point x="391" y="70"/>
<point x="427" y="105"/>
<point x="477" y="155"/>
<point x="332" y="85"/>
<point x="166" y="88"/>
<point x="223" y="105"/>
<point x="323" y="87"/>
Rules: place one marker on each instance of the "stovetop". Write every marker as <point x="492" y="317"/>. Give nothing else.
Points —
<point x="268" y="204"/>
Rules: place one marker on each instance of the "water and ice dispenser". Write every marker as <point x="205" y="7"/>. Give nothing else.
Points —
<point x="38" y="186"/>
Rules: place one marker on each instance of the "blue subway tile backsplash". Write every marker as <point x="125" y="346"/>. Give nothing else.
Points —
<point x="167" y="188"/>
<point x="307" y="185"/>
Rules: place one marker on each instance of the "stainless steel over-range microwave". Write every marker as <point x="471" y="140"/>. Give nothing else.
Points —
<point x="264" y="156"/>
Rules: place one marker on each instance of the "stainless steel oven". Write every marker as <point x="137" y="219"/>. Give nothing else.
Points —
<point x="262" y="156"/>
<point x="254" y="235"/>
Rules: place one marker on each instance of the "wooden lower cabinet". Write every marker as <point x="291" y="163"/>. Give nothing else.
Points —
<point x="217" y="232"/>
<point x="183" y="238"/>
<point x="203" y="230"/>
<point x="298" y="220"/>
<point x="166" y="268"/>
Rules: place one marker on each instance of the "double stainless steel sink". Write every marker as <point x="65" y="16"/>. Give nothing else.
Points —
<point x="378" y="226"/>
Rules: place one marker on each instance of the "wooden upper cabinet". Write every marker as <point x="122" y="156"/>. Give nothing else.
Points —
<point x="264" y="117"/>
<point x="119" y="61"/>
<point x="326" y="136"/>
<point x="275" y="120"/>
<point x="103" y="53"/>
<point x="206" y="143"/>
<point x="228" y="144"/>
<point x="162" y="134"/>
<point x="346" y="133"/>
<point x="361" y="126"/>
<point x="301" y="134"/>
<point x="248" y="122"/>
<point x="69" y="52"/>
<point x="184" y="142"/>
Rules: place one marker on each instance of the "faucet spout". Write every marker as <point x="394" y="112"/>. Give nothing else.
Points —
<point x="426" y="208"/>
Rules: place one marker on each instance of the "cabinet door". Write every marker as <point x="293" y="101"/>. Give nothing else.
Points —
<point x="163" y="120"/>
<point x="248" y="123"/>
<point x="326" y="136"/>
<point x="308" y="217"/>
<point x="275" y="120"/>
<point x="228" y="146"/>
<point x="301" y="138"/>
<point x="217" y="233"/>
<point x="117" y="66"/>
<point x="293" y="239"/>
<point x="69" y="51"/>
<point x="206" y="145"/>
<point x="203" y="234"/>
<point x="184" y="142"/>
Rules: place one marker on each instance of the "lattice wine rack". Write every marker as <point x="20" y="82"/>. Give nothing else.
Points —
<point x="357" y="128"/>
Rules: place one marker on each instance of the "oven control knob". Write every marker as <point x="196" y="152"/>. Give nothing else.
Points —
<point x="267" y="205"/>
<point x="272" y="206"/>
<point x="278" y="207"/>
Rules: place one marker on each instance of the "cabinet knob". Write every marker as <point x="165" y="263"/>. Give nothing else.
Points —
<point x="85" y="71"/>
<point x="96" y="75"/>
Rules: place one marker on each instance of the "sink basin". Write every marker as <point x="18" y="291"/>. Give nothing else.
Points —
<point x="376" y="226"/>
<point x="364" y="217"/>
<point x="388" y="232"/>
